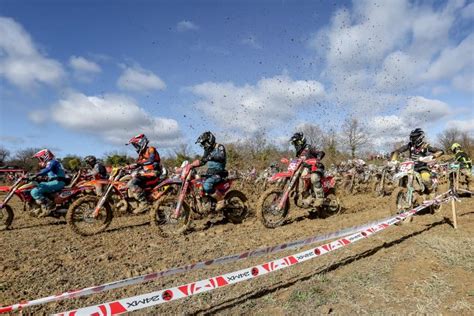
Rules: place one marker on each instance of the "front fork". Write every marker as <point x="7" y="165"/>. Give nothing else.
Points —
<point x="410" y="191"/>
<point x="9" y="196"/>
<point x="182" y="195"/>
<point x="103" y="199"/>
<point x="290" y="186"/>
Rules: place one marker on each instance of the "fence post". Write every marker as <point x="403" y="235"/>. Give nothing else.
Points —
<point x="453" y="207"/>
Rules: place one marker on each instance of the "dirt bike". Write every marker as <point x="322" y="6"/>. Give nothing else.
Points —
<point x="354" y="181"/>
<point x="90" y="215"/>
<point x="295" y="187"/>
<point x="457" y="179"/>
<point x="382" y="181"/>
<point x="411" y="190"/>
<point x="185" y="196"/>
<point x="22" y="189"/>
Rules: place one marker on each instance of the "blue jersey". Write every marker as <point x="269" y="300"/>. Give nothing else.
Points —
<point x="54" y="170"/>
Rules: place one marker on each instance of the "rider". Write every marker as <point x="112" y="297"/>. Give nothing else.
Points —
<point x="461" y="156"/>
<point x="303" y="149"/>
<point x="418" y="148"/>
<point x="53" y="169"/>
<point x="98" y="171"/>
<point x="215" y="156"/>
<point x="149" y="164"/>
<point x="464" y="160"/>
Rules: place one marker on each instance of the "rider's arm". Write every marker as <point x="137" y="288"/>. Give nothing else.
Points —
<point x="394" y="154"/>
<point x="49" y="167"/>
<point x="436" y="151"/>
<point x="218" y="154"/>
<point x="150" y="160"/>
<point x="319" y="154"/>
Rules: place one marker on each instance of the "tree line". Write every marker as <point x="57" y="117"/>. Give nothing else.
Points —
<point x="352" y="141"/>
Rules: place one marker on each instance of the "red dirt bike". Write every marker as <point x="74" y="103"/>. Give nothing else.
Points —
<point x="22" y="189"/>
<point x="185" y="196"/>
<point x="90" y="215"/>
<point x="274" y="204"/>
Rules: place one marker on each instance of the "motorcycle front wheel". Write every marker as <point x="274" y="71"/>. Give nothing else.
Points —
<point x="268" y="212"/>
<point x="402" y="203"/>
<point x="6" y="217"/>
<point x="80" y="216"/>
<point x="162" y="216"/>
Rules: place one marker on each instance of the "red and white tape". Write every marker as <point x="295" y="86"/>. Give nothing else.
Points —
<point x="194" y="266"/>
<point x="171" y="294"/>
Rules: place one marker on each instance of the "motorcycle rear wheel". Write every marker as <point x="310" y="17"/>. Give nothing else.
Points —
<point x="6" y="217"/>
<point x="80" y="217"/>
<point x="269" y="215"/>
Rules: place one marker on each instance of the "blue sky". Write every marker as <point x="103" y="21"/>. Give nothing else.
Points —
<point x="84" y="76"/>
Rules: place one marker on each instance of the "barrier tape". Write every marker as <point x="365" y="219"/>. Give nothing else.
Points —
<point x="194" y="266"/>
<point x="171" y="294"/>
<point x="203" y="264"/>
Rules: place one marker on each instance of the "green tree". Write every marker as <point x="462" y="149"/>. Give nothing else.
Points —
<point x="71" y="162"/>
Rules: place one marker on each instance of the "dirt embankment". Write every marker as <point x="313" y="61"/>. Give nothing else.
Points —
<point x="422" y="267"/>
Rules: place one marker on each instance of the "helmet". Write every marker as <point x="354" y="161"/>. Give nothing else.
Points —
<point x="298" y="139"/>
<point x="207" y="140"/>
<point x="90" y="160"/>
<point x="140" y="142"/>
<point x="455" y="147"/>
<point x="44" y="156"/>
<point x="417" y="136"/>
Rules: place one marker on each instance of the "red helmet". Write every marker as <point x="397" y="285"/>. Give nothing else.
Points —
<point x="44" y="156"/>
<point x="140" y="142"/>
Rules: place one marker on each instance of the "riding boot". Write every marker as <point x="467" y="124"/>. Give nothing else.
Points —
<point x="319" y="200"/>
<point x="46" y="207"/>
<point x="143" y="204"/>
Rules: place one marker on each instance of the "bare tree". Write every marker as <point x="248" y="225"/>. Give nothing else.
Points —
<point x="467" y="143"/>
<point x="448" y="137"/>
<point x="4" y="154"/>
<point x="314" y="135"/>
<point x="354" y="135"/>
<point x="24" y="159"/>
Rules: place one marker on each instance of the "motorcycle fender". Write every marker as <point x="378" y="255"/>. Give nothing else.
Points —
<point x="280" y="175"/>
<point x="5" y="189"/>
<point x="399" y="175"/>
<point x="169" y="182"/>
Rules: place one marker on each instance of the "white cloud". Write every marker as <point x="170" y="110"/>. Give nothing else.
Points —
<point x="452" y="60"/>
<point x="141" y="80"/>
<point x="464" y="82"/>
<point x="463" y="125"/>
<point x="250" y="108"/>
<point x="38" y="116"/>
<point x="20" y="61"/>
<point x="378" y="53"/>
<point x="468" y="11"/>
<point x="418" y="112"/>
<point x="114" y="118"/>
<point x="81" y="64"/>
<point x="185" y="25"/>
<point x="420" y="109"/>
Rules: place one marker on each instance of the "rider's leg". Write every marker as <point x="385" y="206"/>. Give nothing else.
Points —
<point x="426" y="179"/>
<point x="135" y="185"/>
<point x="317" y="187"/>
<point x="39" y="192"/>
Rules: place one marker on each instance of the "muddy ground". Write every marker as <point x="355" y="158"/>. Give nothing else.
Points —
<point x="423" y="267"/>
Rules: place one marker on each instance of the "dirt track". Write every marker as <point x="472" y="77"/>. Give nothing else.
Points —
<point x="423" y="267"/>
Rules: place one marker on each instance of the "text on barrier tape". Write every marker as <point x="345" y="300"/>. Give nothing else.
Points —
<point x="190" y="289"/>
